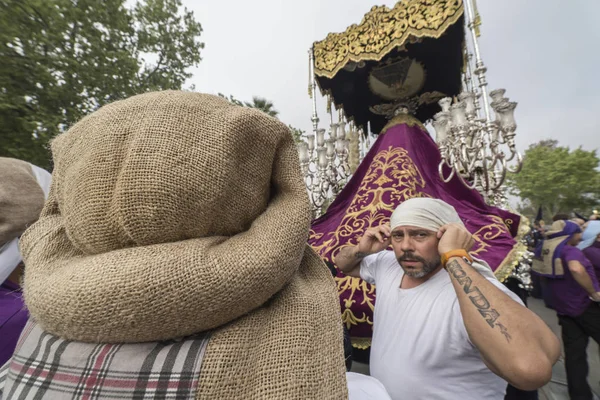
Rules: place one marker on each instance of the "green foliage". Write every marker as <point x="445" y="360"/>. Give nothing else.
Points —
<point x="557" y="178"/>
<point x="264" y="105"/>
<point x="232" y="100"/>
<point x="62" y="59"/>
<point x="297" y="133"/>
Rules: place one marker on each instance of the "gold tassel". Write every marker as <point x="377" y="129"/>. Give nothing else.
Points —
<point x="477" y="22"/>
<point x="329" y="104"/>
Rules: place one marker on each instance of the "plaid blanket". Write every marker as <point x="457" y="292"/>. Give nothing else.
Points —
<point x="47" y="367"/>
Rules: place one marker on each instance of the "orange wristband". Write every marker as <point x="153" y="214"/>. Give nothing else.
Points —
<point x="461" y="253"/>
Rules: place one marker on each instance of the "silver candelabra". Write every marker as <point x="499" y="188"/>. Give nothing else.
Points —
<point x="327" y="156"/>
<point x="324" y="164"/>
<point x="474" y="147"/>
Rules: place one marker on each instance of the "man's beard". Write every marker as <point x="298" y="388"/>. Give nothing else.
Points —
<point x="428" y="265"/>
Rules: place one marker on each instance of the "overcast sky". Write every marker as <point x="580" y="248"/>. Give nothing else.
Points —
<point x="544" y="52"/>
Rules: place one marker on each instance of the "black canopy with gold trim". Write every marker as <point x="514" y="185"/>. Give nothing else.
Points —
<point x="411" y="54"/>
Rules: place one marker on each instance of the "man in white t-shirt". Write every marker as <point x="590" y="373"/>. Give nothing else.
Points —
<point x="444" y="326"/>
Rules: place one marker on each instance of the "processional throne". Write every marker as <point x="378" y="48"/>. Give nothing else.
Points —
<point x="383" y="80"/>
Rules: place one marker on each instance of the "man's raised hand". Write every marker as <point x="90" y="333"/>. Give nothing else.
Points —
<point x="375" y="240"/>
<point x="454" y="237"/>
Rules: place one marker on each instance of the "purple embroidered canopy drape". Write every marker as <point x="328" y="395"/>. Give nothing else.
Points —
<point x="402" y="164"/>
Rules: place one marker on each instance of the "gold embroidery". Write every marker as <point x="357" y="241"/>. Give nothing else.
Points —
<point x="348" y="283"/>
<point x="486" y="234"/>
<point x="383" y="29"/>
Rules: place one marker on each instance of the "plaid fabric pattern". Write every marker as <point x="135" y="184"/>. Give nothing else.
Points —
<point x="3" y="374"/>
<point x="47" y="367"/>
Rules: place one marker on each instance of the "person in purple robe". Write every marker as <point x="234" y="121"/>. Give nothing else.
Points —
<point x="590" y="244"/>
<point x="575" y="298"/>
<point x="23" y="190"/>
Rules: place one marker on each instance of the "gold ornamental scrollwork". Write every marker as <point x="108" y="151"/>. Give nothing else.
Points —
<point x="486" y="234"/>
<point x="383" y="29"/>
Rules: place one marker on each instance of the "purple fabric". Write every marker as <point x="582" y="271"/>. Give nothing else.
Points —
<point x="568" y="297"/>
<point x="13" y="316"/>
<point x="401" y="164"/>
<point x="592" y="253"/>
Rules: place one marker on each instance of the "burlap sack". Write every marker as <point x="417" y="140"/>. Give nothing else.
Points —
<point x="21" y="198"/>
<point x="173" y="213"/>
<point x="547" y="262"/>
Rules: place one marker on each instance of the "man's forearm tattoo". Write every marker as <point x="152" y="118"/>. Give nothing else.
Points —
<point x="348" y="253"/>
<point x="359" y="254"/>
<point x="477" y="298"/>
<point x="504" y="331"/>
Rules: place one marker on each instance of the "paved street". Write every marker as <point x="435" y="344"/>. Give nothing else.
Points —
<point x="556" y="389"/>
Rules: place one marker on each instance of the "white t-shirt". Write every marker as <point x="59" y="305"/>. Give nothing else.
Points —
<point x="364" y="387"/>
<point x="420" y="348"/>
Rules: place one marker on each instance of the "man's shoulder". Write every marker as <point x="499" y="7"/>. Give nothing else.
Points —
<point x="384" y="257"/>
<point x="378" y="266"/>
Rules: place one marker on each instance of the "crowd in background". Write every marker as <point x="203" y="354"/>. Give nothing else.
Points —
<point x="566" y="272"/>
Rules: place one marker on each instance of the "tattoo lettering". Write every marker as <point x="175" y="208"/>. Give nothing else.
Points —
<point x="475" y="295"/>
<point x="477" y="298"/>
<point x="504" y="331"/>
<point x="348" y="253"/>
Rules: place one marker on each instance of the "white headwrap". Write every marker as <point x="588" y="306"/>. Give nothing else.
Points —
<point x="432" y="214"/>
<point x="10" y="257"/>
<point x="424" y="213"/>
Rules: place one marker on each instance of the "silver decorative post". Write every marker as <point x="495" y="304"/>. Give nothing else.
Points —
<point x="323" y="154"/>
<point x="313" y="84"/>
<point x="474" y="147"/>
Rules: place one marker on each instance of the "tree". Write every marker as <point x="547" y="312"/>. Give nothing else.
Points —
<point x="232" y="100"/>
<point x="557" y="178"/>
<point x="62" y="59"/>
<point x="297" y="133"/>
<point x="264" y="105"/>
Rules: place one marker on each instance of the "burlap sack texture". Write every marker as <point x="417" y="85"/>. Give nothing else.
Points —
<point x="548" y="265"/>
<point x="172" y="213"/>
<point x="21" y="198"/>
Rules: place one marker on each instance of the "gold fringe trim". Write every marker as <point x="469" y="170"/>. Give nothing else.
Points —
<point x="403" y="119"/>
<point x="514" y="256"/>
<point x="361" y="343"/>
